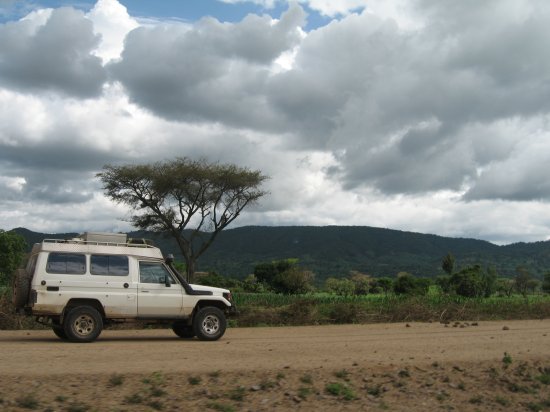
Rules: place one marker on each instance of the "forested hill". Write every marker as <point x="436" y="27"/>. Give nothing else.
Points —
<point x="337" y="250"/>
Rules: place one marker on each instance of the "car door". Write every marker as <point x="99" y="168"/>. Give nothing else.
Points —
<point x="156" y="297"/>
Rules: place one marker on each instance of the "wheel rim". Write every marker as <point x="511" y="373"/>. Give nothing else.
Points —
<point x="211" y="324"/>
<point x="84" y="325"/>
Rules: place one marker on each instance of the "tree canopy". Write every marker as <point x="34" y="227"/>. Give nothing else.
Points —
<point x="179" y="194"/>
<point x="12" y="251"/>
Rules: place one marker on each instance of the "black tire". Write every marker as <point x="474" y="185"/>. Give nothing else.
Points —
<point x="82" y="324"/>
<point x="21" y="288"/>
<point x="209" y="323"/>
<point x="59" y="332"/>
<point x="183" y="331"/>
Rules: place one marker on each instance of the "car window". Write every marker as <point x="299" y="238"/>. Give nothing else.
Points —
<point x="66" y="263"/>
<point x="109" y="265"/>
<point x="151" y="272"/>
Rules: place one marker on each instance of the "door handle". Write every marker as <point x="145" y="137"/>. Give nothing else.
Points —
<point x="145" y="291"/>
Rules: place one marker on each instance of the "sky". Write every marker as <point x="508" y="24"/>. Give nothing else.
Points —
<point x="418" y="115"/>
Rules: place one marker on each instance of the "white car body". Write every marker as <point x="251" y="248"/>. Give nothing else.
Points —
<point x="121" y="280"/>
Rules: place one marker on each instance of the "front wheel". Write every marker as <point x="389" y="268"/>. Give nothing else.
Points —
<point x="183" y="331"/>
<point x="59" y="332"/>
<point x="209" y="323"/>
<point x="83" y="324"/>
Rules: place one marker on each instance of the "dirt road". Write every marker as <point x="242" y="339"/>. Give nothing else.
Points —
<point x="246" y="356"/>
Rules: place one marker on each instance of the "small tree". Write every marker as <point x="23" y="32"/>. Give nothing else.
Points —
<point x="180" y="194"/>
<point x="342" y="287"/>
<point x="468" y="282"/>
<point x="294" y="281"/>
<point x="523" y="280"/>
<point x="384" y="283"/>
<point x="361" y="283"/>
<point x="504" y="286"/>
<point x="448" y="264"/>
<point x="12" y="251"/>
<point x="546" y="283"/>
<point x="409" y="285"/>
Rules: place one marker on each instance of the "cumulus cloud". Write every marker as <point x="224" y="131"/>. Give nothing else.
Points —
<point x="417" y="115"/>
<point x="46" y="58"/>
<point x="210" y="72"/>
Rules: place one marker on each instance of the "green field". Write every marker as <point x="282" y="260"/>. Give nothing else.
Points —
<point x="272" y="309"/>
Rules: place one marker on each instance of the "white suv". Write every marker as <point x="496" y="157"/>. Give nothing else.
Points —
<point x="80" y="285"/>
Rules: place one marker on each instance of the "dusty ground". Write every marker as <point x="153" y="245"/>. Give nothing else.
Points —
<point x="419" y="366"/>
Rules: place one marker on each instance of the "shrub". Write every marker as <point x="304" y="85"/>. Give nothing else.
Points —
<point x="468" y="282"/>
<point x="342" y="287"/>
<point x="409" y="285"/>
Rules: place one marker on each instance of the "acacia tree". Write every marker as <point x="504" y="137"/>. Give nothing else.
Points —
<point x="180" y="194"/>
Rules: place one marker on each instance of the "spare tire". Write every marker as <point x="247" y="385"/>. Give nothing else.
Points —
<point x="21" y="288"/>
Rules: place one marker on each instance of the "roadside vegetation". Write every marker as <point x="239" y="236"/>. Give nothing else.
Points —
<point x="282" y="293"/>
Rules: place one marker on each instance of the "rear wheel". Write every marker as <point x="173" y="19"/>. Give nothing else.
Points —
<point x="21" y="288"/>
<point x="183" y="330"/>
<point x="209" y="323"/>
<point x="82" y="324"/>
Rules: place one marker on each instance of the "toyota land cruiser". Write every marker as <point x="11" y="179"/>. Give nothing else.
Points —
<point x="79" y="286"/>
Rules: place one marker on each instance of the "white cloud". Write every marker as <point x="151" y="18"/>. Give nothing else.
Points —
<point x="111" y="21"/>
<point x="438" y="123"/>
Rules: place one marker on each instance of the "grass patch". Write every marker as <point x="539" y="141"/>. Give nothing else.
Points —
<point x="28" y="401"/>
<point x="221" y="407"/>
<point x="194" y="380"/>
<point x="307" y="379"/>
<point x="116" y="380"/>
<point x="134" y="399"/>
<point x="304" y="392"/>
<point x="502" y="401"/>
<point x="340" y="390"/>
<point x="237" y="394"/>
<point x="77" y="407"/>
<point x="342" y="374"/>
<point x="507" y="359"/>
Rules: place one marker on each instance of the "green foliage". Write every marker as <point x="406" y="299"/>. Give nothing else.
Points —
<point x="546" y="283"/>
<point x="362" y="283"/>
<point x="504" y="286"/>
<point x="522" y="280"/>
<point x="342" y="287"/>
<point x="12" y="251"/>
<point x="294" y="281"/>
<point x="468" y="282"/>
<point x="284" y="276"/>
<point x="216" y="280"/>
<point x="341" y="390"/>
<point x="448" y="264"/>
<point x="407" y="284"/>
<point x="384" y="284"/>
<point x="268" y="271"/>
<point x="444" y="283"/>
<point x="180" y="194"/>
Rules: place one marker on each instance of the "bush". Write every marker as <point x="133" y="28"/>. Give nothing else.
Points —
<point x="342" y="287"/>
<point x="468" y="282"/>
<point x="409" y="285"/>
<point x="293" y="281"/>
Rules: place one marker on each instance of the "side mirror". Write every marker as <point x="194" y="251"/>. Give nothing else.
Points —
<point x="167" y="282"/>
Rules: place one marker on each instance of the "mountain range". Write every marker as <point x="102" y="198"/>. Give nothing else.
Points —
<point x="336" y="250"/>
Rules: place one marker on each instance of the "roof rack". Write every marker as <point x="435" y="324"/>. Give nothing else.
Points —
<point x="137" y="243"/>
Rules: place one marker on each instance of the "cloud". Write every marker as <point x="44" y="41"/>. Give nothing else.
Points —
<point x="210" y="72"/>
<point x="44" y="58"/>
<point x="112" y="22"/>
<point x="418" y="115"/>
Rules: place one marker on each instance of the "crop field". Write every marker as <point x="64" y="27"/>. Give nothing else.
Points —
<point x="270" y="309"/>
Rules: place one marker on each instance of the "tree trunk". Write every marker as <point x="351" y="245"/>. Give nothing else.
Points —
<point x="190" y="270"/>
